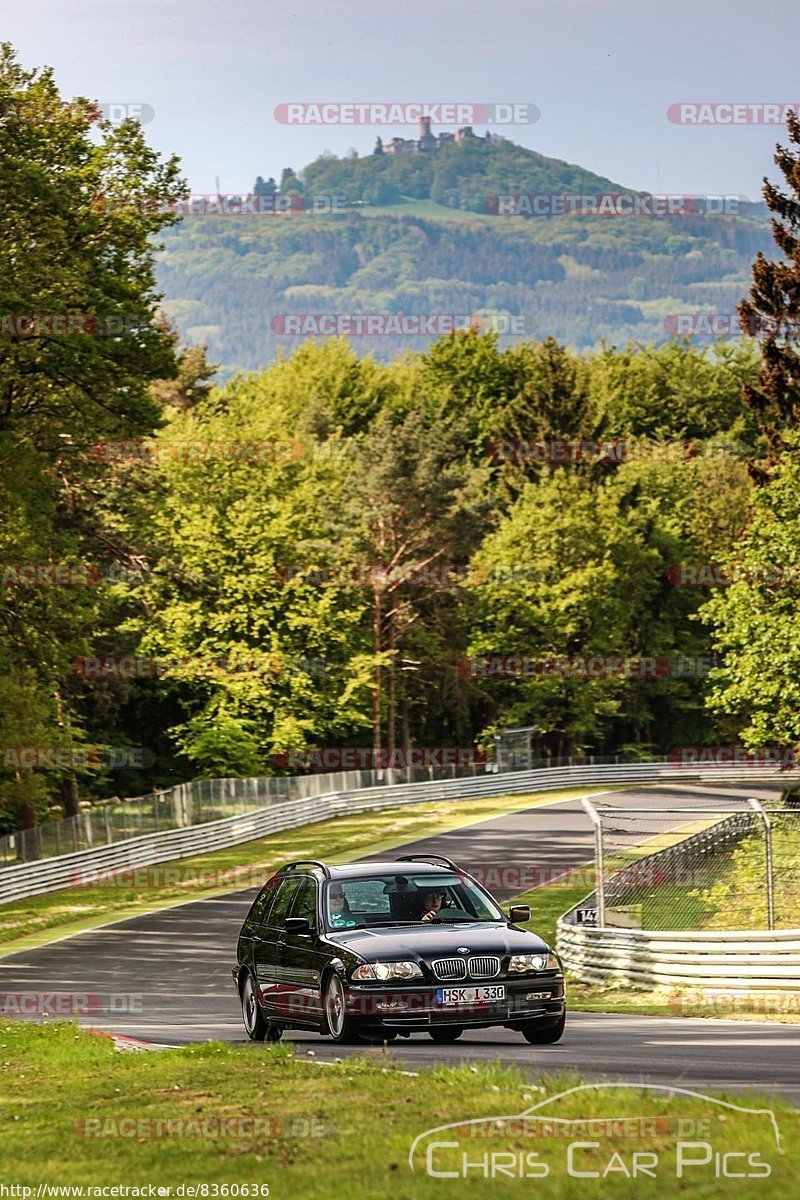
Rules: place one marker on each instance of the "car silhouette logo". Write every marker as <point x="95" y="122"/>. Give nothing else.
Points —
<point x="462" y="949"/>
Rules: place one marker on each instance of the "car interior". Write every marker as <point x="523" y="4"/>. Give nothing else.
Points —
<point x="375" y="901"/>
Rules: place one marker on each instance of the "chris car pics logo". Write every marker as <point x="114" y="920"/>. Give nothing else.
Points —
<point x="698" y="1139"/>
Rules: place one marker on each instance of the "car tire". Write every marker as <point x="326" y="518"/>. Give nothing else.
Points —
<point x="341" y="1027"/>
<point x="539" y="1034"/>
<point x="254" y="1022"/>
<point x="446" y="1035"/>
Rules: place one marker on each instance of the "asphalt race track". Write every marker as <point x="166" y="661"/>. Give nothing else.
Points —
<point x="165" y="977"/>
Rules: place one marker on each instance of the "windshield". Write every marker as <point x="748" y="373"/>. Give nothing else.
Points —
<point x="402" y="899"/>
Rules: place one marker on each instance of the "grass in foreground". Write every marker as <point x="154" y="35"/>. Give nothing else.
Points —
<point x="30" y="922"/>
<point x="75" y="1111"/>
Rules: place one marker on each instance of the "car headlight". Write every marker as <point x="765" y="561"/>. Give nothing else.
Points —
<point x="533" y="962"/>
<point x="388" y="970"/>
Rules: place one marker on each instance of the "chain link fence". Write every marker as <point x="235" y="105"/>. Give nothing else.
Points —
<point x="202" y="800"/>
<point x="197" y="802"/>
<point x="731" y="865"/>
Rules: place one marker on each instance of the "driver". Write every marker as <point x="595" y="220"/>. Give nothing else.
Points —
<point x="338" y="907"/>
<point x="432" y="903"/>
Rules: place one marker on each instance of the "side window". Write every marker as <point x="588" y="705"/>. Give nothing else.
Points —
<point x="305" y="902"/>
<point x="263" y="902"/>
<point x="282" y="901"/>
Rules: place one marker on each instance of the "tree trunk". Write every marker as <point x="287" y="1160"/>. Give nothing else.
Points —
<point x="28" y="835"/>
<point x="68" y="795"/>
<point x="376" y="696"/>
<point x="392" y="691"/>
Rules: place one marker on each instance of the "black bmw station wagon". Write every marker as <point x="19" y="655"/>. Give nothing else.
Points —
<point x="410" y="945"/>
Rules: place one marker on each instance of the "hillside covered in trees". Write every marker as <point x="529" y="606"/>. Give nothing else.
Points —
<point x="412" y="234"/>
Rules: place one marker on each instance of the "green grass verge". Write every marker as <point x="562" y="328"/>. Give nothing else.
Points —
<point x="736" y="898"/>
<point x="348" y="1128"/>
<point x="36" y="920"/>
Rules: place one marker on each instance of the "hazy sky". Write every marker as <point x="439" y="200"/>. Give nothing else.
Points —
<point x="602" y="72"/>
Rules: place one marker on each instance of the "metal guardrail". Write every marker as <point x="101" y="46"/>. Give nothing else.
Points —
<point x="736" y="961"/>
<point x="63" y="871"/>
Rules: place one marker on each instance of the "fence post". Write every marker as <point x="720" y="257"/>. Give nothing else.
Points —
<point x="600" y="887"/>
<point x="758" y="807"/>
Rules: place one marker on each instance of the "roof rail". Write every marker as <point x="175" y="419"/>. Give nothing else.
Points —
<point x="433" y="859"/>
<point x="307" y="862"/>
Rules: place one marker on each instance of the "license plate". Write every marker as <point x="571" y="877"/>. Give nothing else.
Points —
<point x="471" y="995"/>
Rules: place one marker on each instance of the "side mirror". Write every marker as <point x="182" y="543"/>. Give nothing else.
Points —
<point x="519" y="913"/>
<point x="297" y="925"/>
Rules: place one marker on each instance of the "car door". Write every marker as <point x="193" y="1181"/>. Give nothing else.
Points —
<point x="251" y="928"/>
<point x="299" y="960"/>
<point x="266" y="941"/>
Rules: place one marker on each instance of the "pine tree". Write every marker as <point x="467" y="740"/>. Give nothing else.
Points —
<point x="773" y="309"/>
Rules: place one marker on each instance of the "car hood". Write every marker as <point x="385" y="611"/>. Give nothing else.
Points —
<point x="437" y="941"/>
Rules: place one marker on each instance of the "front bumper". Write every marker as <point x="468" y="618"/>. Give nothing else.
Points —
<point x="416" y="1007"/>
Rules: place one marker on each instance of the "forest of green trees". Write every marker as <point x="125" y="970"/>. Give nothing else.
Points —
<point x="200" y="579"/>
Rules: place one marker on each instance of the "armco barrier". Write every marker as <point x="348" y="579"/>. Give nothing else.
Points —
<point x="739" y="961"/>
<point x="46" y="875"/>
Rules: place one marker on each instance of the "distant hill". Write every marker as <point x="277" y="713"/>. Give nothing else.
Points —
<point x="464" y="175"/>
<point x="415" y="237"/>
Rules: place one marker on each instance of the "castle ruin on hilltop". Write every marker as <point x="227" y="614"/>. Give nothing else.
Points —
<point x="427" y="140"/>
